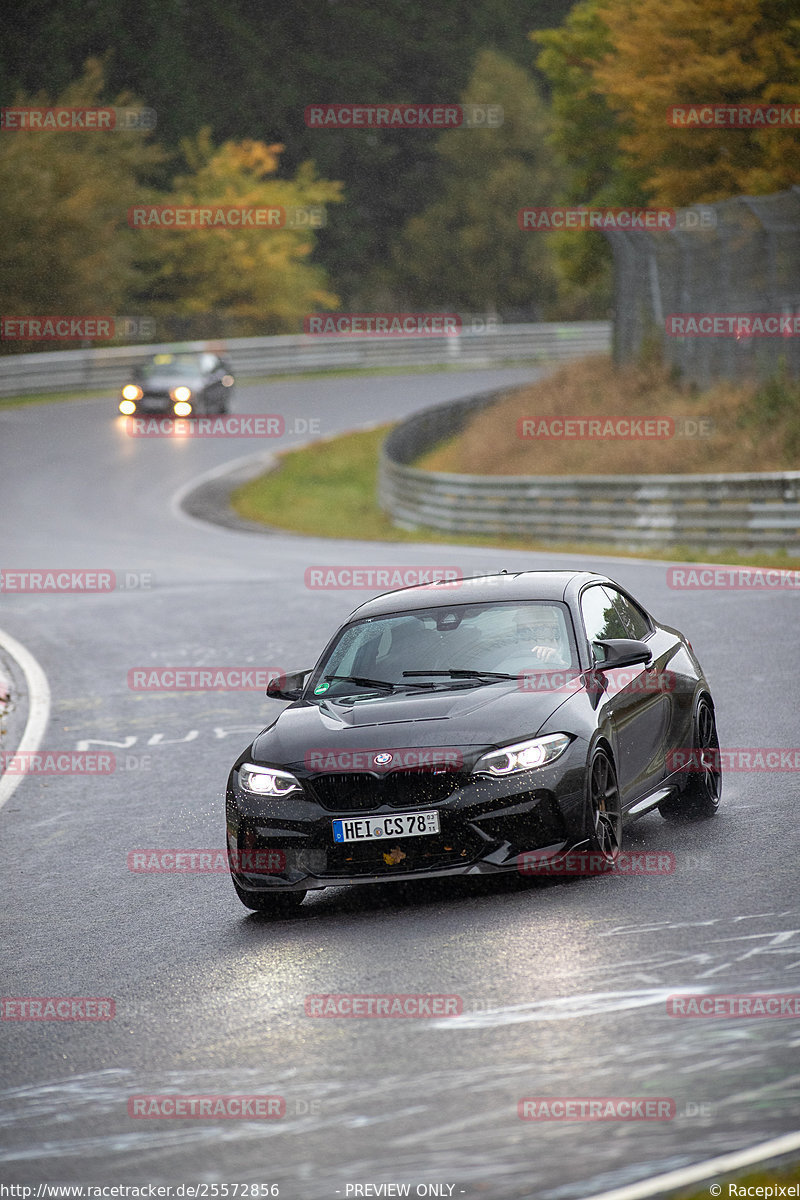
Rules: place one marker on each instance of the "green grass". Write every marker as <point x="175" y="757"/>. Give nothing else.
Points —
<point x="51" y="398"/>
<point x="784" y="1175"/>
<point x="326" y="489"/>
<point x="329" y="488"/>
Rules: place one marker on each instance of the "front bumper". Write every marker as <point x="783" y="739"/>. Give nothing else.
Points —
<point x="287" y="844"/>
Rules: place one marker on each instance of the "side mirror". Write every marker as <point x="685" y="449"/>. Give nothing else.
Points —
<point x="621" y="652"/>
<point x="287" y="687"/>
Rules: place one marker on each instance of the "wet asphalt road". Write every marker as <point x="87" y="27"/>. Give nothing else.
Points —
<point x="563" y="982"/>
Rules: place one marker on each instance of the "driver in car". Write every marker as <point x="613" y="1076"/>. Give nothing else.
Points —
<point x="541" y="636"/>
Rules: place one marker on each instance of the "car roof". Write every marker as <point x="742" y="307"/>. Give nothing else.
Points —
<point x="562" y="586"/>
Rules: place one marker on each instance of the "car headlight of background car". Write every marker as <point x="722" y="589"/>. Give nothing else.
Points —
<point x="522" y="756"/>
<point x="130" y="394"/>
<point x="267" y="781"/>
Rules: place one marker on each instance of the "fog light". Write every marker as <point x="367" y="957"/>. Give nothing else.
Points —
<point x="182" y="409"/>
<point x="127" y="407"/>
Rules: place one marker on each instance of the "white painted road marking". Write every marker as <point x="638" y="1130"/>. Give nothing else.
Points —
<point x="38" y="708"/>
<point x="687" y="1176"/>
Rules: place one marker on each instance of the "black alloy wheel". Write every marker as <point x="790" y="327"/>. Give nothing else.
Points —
<point x="604" y="808"/>
<point x="699" y="798"/>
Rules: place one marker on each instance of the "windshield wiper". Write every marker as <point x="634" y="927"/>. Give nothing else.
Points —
<point x="360" y="680"/>
<point x="459" y="673"/>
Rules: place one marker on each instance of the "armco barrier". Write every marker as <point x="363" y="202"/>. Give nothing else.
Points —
<point x="711" y="513"/>
<point x="110" y="366"/>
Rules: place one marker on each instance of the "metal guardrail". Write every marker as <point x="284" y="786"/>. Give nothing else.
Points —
<point x="742" y="512"/>
<point x="110" y="367"/>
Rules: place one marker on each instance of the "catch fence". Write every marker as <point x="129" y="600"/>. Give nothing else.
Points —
<point x="734" y="257"/>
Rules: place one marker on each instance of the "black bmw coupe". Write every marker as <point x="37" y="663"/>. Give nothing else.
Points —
<point x="454" y="728"/>
<point x="179" y="383"/>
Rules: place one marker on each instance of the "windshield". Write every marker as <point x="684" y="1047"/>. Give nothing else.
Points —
<point x="178" y="364"/>
<point x="415" y="650"/>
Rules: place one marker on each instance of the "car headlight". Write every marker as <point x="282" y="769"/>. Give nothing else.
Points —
<point x="132" y="392"/>
<point x="522" y="756"/>
<point x="267" y="781"/>
<point x="181" y="394"/>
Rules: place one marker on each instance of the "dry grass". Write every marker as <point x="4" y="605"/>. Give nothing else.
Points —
<point x="745" y="437"/>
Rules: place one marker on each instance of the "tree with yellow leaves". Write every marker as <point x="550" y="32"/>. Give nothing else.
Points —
<point x="257" y="277"/>
<point x="65" y="250"/>
<point x="633" y="60"/>
<point x="668" y="53"/>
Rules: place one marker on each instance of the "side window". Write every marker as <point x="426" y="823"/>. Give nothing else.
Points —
<point x="634" y="619"/>
<point x="600" y="616"/>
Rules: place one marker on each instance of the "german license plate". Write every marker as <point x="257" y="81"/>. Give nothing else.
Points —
<point x="372" y="829"/>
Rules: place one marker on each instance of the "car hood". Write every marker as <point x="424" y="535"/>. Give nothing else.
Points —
<point x="477" y="718"/>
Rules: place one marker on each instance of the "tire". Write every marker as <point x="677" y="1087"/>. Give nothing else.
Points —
<point x="699" y="799"/>
<point x="603" y="808"/>
<point x="272" y="904"/>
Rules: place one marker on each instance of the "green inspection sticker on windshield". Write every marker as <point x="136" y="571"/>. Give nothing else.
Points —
<point x="321" y="687"/>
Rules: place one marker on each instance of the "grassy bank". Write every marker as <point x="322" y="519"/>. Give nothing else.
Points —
<point x="726" y="428"/>
<point x="328" y="489"/>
